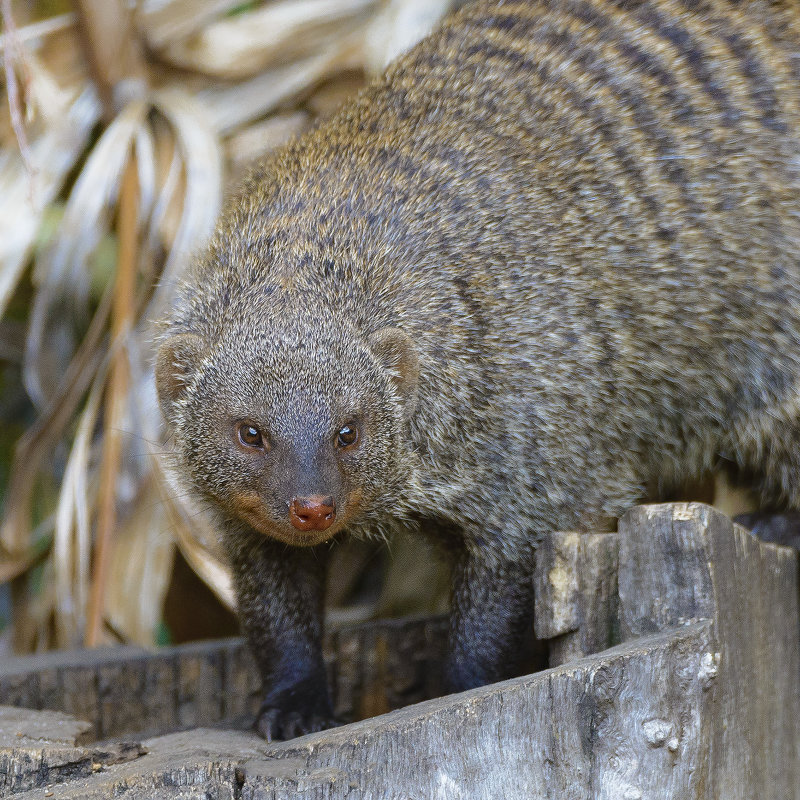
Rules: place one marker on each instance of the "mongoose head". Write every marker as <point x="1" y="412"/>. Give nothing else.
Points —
<point x="293" y="428"/>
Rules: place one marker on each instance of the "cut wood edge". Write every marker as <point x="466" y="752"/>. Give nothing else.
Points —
<point x="527" y="737"/>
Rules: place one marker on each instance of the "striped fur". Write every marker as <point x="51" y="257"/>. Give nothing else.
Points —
<point x="584" y="214"/>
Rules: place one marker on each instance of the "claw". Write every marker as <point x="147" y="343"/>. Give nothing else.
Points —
<point x="267" y="724"/>
<point x="281" y="724"/>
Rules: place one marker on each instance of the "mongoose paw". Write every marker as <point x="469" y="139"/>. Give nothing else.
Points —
<point x="294" y="709"/>
<point x="281" y="723"/>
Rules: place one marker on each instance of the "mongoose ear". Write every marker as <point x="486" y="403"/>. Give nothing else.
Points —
<point x="177" y="359"/>
<point x="396" y="352"/>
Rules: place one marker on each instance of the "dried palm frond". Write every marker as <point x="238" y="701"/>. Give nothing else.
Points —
<point x="29" y="189"/>
<point x="241" y="46"/>
<point x="61" y="302"/>
<point x="175" y="20"/>
<point x="132" y="167"/>
<point x="199" y="545"/>
<point x="199" y="155"/>
<point x="230" y="107"/>
<point x="245" y="146"/>
<point x="141" y="565"/>
<point x="72" y="537"/>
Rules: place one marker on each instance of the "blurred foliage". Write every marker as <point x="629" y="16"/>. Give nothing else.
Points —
<point x="116" y="148"/>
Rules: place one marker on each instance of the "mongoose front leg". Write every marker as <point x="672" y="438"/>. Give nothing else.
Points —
<point x="491" y="618"/>
<point x="280" y="593"/>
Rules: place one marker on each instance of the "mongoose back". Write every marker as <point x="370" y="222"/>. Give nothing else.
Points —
<point x="549" y="259"/>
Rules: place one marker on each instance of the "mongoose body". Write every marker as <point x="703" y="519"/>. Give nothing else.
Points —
<point x="548" y="260"/>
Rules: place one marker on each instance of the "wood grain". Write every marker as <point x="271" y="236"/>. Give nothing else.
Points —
<point x="699" y="700"/>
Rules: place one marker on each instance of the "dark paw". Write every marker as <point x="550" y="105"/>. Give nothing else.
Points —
<point x="294" y="709"/>
<point x="279" y="723"/>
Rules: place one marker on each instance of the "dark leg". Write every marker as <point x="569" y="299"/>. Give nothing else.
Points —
<point x="491" y="623"/>
<point x="781" y="528"/>
<point x="280" y="591"/>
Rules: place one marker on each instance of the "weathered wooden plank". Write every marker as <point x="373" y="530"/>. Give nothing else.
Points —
<point x="74" y="672"/>
<point x="546" y="735"/>
<point x="78" y="695"/>
<point x="664" y="578"/>
<point x="20" y="688"/>
<point x="557" y="585"/>
<point x="200" y="687"/>
<point x="591" y="729"/>
<point x="575" y="582"/>
<point x="197" y="765"/>
<point x="701" y="701"/>
<point x="683" y="562"/>
<point x="242" y="696"/>
<point x="39" y="747"/>
<point x="159" y="695"/>
<point x="374" y="667"/>
<point x="117" y="684"/>
<point x="22" y="725"/>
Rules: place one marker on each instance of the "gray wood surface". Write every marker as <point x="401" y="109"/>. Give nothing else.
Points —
<point x="575" y="582"/>
<point x="684" y="562"/>
<point x="701" y="699"/>
<point x="553" y="734"/>
<point x="42" y="748"/>
<point x="373" y="668"/>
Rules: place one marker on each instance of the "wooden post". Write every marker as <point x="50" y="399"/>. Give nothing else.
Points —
<point x="684" y="562"/>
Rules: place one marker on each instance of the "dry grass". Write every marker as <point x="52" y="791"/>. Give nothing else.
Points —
<point x="115" y="150"/>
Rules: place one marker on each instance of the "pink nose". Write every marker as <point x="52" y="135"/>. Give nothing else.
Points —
<point x="314" y="513"/>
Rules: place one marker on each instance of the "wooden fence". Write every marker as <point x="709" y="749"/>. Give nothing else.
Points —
<point x="674" y="650"/>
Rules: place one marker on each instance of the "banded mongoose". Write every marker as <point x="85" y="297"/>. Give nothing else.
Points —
<point x="548" y="259"/>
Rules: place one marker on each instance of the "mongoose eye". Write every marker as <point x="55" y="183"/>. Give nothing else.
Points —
<point x="347" y="436"/>
<point x="250" y="436"/>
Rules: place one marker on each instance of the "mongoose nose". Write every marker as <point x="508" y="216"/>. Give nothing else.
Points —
<point x="314" y="513"/>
